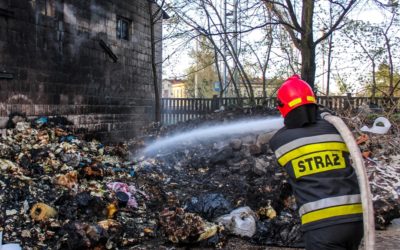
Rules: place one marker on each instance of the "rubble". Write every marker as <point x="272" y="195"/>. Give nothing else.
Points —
<point x="58" y="191"/>
<point x="184" y="227"/>
<point x="382" y="154"/>
<point x="53" y="189"/>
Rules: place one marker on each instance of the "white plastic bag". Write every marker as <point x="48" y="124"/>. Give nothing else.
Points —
<point x="8" y="246"/>
<point x="376" y="128"/>
<point x="241" y="221"/>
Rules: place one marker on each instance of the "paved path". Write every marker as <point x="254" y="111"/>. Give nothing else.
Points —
<point x="385" y="240"/>
<point x="390" y="238"/>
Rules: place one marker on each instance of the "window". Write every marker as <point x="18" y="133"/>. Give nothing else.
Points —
<point x="123" y="28"/>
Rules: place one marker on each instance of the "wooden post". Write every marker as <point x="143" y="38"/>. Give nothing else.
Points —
<point x="348" y="104"/>
<point x="215" y="103"/>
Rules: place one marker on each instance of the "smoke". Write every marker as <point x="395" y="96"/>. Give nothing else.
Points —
<point x="91" y="28"/>
<point x="69" y="14"/>
<point x="98" y="20"/>
<point x="70" y="18"/>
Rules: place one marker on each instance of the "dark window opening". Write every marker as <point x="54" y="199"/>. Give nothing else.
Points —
<point x="123" y="28"/>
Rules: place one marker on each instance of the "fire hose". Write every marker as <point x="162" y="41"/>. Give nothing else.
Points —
<point x="368" y="211"/>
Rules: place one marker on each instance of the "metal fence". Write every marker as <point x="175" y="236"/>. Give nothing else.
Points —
<point x="175" y="110"/>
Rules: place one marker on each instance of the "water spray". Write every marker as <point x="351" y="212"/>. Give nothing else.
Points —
<point x="212" y="132"/>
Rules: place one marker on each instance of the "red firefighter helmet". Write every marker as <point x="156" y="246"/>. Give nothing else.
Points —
<point x="293" y="93"/>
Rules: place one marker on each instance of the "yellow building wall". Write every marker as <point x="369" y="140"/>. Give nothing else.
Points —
<point x="179" y="91"/>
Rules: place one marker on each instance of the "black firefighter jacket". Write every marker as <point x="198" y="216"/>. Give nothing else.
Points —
<point x="323" y="181"/>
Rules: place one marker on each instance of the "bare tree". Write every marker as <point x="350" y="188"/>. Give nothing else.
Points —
<point x="379" y="44"/>
<point x="155" y="13"/>
<point x="365" y="37"/>
<point x="205" y="18"/>
<point x="300" y="28"/>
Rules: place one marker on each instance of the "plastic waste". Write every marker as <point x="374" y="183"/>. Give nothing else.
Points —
<point x="267" y="212"/>
<point x="111" y="210"/>
<point x="129" y="190"/>
<point x="279" y="231"/>
<point x="41" y="121"/>
<point x="241" y="221"/>
<point x="42" y="211"/>
<point x="122" y="198"/>
<point x="71" y="159"/>
<point x="69" y="180"/>
<point x="381" y="126"/>
<point x="209" y="206"/>
<point x="180" y="226"/>
<point x="8" y="246"/>
<point x="14" y="118"/>
<point x="68" y="138"/>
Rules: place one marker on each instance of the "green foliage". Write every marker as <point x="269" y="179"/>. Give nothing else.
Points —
<point x="372" y="116"/>
<point x="396" y="117"/>
<point x="344" y="85"/>
<point x="373" y="47"/>
<point x="205" y="71"/>
<point x="383" y="81"/>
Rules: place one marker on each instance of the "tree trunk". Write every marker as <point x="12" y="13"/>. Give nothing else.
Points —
<point x="307" y="44"/>
<point x="154" y="65"/>
<point x="221" y="87"/>
<point x="373" y="90"/>
<point x="328" y="75"/>
<point x="308" y="66"/>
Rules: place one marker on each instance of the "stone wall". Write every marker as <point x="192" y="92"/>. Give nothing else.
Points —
<point x="63" y="57"/>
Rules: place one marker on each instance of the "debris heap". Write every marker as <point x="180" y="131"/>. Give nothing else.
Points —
<point x="58" y="191"/>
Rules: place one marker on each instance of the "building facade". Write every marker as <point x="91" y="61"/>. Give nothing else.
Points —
<point x="174" y="88"/>
<point x="90" y="61"/>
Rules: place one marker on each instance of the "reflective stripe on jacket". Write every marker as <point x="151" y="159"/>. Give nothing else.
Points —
<point x="324" y="183"/>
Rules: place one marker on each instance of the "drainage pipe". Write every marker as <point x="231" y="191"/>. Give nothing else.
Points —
<point x="358" y="164"/>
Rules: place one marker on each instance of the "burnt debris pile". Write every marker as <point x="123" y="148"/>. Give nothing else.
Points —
<point x="58" y="191"/>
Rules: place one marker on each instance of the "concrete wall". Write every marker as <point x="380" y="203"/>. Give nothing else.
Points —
<point x="52" y="63"/>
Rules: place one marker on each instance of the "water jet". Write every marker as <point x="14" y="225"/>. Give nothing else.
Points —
<point x="206" y="133"/>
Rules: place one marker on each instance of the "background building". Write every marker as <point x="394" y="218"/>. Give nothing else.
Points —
<point x="174" y="88"/>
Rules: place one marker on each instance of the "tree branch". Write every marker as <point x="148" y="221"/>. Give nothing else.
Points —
<point x="338" y="21"/>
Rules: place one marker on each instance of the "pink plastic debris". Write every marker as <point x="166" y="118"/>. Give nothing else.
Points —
<point x="129" y="190"/>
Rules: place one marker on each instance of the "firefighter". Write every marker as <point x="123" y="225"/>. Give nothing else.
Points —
<point x="316" y="159"/>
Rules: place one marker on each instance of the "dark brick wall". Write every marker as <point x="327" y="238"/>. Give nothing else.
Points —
<point x="52" y="63"/>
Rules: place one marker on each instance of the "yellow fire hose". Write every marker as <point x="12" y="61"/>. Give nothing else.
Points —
<point x="358" y="164"/>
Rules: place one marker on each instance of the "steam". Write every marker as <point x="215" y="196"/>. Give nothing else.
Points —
<point x="69" y="14"/>
<point x="214" y="132"/>
<point x="96" y="25"/>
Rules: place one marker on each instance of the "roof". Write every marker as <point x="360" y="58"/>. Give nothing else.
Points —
<point x="175" y="81"/>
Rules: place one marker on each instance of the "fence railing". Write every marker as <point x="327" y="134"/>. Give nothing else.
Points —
<point x="175" y="110"/>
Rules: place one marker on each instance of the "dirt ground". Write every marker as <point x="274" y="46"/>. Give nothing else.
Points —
<point x="385" y="240"/>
